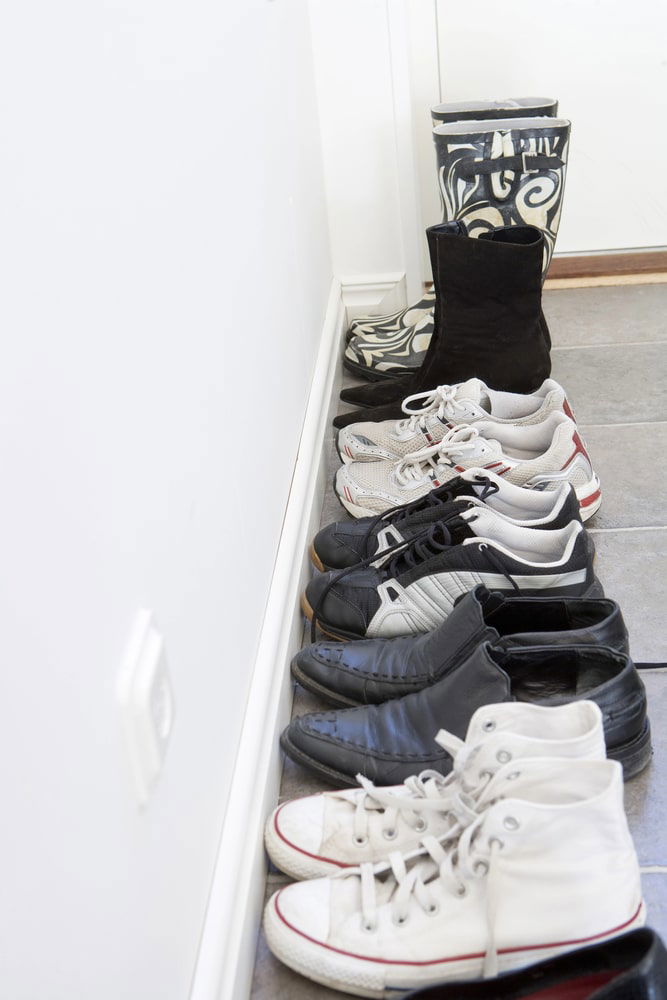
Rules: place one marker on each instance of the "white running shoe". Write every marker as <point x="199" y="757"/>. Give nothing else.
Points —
<point x="440" y="410"/>
<point x="320" y="834"/>
<point x="545" y="864"/>
<point x="538" y="456"/>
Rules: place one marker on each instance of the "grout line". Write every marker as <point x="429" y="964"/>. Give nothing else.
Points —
<point x="625" y="343"/>
<point x="629" y="423"/>
<point x="647" y="527"/>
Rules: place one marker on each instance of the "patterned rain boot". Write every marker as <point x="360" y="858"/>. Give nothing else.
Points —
<point x="510" y="172"/>
<point x="414" y="314"/>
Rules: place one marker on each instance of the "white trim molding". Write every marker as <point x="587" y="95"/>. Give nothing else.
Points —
<point x="229" y="939"/>
<point x="373" y="294"/>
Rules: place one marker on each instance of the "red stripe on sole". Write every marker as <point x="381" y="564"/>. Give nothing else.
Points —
<point x="587" y="501"/>
<point x="456" y="958"/>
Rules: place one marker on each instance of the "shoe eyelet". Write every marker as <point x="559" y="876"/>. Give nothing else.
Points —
<point x="360" y="841"/>
<point x="511" y="823"/>
<point x="514" y="775"/>
<point x="488" y="726"/>
<point x="503" y="756"/>
<point x="369" y="926"/>
<point x="485" y="774"/>
<point x="433" y="909"/>
<point x="498" y="841"/>
<point x="400" y="921"/>
<point x="390" y="834"/>
<point x="462" y="890"/>
<point x="420" y="826"/>
<point x="480" y="868"/>
<point x="483" y="546"/>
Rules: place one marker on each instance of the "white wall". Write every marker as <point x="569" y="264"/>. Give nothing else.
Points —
<point x="165" y="266"/>
<point x="361" y="58"/>
<point x="605" y="62"/>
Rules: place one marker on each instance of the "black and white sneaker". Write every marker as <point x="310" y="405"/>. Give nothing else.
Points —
<point x="415" y="588"/>
<point x="346" y="543"/>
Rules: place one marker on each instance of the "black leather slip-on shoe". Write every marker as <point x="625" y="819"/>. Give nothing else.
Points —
<point x="389" y="742"/>
<point x="370" y="671"/>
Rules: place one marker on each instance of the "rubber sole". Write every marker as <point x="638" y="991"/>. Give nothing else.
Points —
<point x="331" y="631"/>
<point x="590" y="498"/>
<point x="322" y="692"/>
<point x="315" y="559"/>
<point x="352" y="973"/>
<point x="291" y="860"/>
<point x="371" y="375"/>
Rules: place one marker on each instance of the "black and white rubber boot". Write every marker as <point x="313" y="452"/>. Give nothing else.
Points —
<point x="519" y="107"/>
<point x="509" y="174"/>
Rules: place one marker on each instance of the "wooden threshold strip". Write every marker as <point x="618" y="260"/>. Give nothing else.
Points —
<point x="609" y="264"/>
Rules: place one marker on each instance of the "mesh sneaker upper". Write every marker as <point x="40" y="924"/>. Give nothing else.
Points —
<point x="447" y="406"/>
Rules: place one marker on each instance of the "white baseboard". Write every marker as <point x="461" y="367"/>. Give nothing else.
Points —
<point x="373" y="294"/>
<point x="229" y="938"/>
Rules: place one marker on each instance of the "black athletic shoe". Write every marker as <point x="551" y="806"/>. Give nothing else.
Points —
<point x="389" y="742"/>
<point x="346" y="543"/>
<point x="415" y="588"/>
<point x="370" y="671"/>
<point x="630" y="967"/>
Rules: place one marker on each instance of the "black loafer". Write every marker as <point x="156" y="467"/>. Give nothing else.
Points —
<point x="387" y="743"/>
<point x="370" y="671"/>
<point x="630" y="967"/>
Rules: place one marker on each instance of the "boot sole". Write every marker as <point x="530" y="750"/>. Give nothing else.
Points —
<point x="371" y="375"/>
<point x="635" y="755"/>
<point x="370" y="977"/>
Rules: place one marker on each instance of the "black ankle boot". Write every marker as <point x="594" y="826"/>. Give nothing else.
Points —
<point x="488" y="316"/>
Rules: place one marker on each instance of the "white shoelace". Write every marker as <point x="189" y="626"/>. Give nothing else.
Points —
<point x="427" y="792"/>
<point x="441" y="402"/>
<point x="455" y="444"/>
<point x="451" y="865"/>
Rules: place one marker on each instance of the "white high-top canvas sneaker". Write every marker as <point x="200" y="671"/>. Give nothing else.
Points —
<point x="547" y="865"/>
<point x="320" y="834"/>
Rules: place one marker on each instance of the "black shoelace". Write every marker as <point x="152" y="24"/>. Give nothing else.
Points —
<point x="402" y="556"/>
<point x="436" y="498"/>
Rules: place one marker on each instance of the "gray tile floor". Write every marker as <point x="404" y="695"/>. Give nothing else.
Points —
<point x="610" y="352"/>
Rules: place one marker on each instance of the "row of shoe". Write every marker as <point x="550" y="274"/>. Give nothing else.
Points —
<point x="485" y="706"/>
<point x="499" y="163"/>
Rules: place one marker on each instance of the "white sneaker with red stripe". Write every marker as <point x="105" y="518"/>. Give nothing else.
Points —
<point x="538" y="456"/>
<point x="438" y="411"/>
<point x="544" y="863"/>
<point x="320" y="834"/>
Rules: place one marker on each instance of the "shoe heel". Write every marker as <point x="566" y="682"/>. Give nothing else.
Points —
<point x="635" y="755"/>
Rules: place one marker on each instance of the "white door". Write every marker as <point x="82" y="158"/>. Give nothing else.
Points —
<point x="605" y="61"/>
